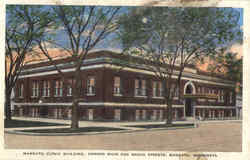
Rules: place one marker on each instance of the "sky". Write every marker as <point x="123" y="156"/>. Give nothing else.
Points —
<point x="241" y="15"/>
<point x="109" y="43"/>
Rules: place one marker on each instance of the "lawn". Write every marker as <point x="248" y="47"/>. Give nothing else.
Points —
<point x="22" y="123"/>
<point x="69" y="130"/>
<point x="151" y="126"/>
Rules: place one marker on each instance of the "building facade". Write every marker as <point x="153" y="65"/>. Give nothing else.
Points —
<point x="113" y="92"/>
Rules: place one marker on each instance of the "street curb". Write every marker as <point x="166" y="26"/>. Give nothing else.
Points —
<point x="18" y="132"/>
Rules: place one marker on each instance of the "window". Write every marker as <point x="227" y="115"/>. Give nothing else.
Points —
<point x="214" y="92"/>
<point x="140" y="87"/>
<point x="209" y="91"/>
<point x="198" y="90"/>
<point x="202" y="90"/>
<point x="46" y="89"/>
<point x="231" y="97"/>
<point x="59" y="88"/>
<point x="35" y="89"/>
<point x="69" y="87"/>
<point x="157" y="89"/>
<point x="221" y="96"/>
<point x="176" y="92"/>
<point x="91" y="86"/>
<point x="117" y="85"/>
<point x="218" y="95"/>
<point x="20" y="91"/>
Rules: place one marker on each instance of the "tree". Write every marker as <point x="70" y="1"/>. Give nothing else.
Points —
<point x="228" y="65"/>
<point x="83" y="28"/>
<point x="170" y="39"/>
<point x="23" y="25"/>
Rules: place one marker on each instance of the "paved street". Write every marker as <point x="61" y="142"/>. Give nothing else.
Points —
<point x="211" y="137"/>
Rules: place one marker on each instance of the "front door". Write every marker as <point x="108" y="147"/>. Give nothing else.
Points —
<point x="188" y="107"/>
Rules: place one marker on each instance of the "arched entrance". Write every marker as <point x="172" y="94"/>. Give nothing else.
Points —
<point x="189" y="88"/>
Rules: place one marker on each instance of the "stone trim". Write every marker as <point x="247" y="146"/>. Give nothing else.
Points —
<point x="108" y="104"/>
<point x="112" y="66"/>
<point x="216" y="107"/>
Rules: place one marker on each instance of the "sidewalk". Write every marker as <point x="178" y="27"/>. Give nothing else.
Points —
<point x="122" y="125"/>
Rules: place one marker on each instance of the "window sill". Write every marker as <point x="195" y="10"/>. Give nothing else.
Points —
<point x="220" y="101"/>
<point x="117" y="95"/>
<point x="57" y="95"/>
<point x="158" y="97"/>
<point x="211" y="100"/>
<point x="34" y="96"/>
<point x="90" y="94"/>
<point x="140" y="96"/>
<point x="45" y="96"/>
<point x="68" y="95"/>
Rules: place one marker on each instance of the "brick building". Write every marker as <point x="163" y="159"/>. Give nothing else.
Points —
<point x="111" y="93"/>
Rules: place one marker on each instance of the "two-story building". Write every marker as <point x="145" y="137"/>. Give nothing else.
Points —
<point x="111" y="91"/>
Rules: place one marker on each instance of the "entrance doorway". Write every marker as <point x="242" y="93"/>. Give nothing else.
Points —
<point x="188" y="102"/>
<point x="188" y="107"/>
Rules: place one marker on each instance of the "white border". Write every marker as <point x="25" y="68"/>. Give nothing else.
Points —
<point x="17" y="154"/>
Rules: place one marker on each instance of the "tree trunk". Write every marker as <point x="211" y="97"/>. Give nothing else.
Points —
<point x="7" y="106"/>
<point x="169" y="113"/>
<point x="74" y="116"/>
<point x="76" y="87"/>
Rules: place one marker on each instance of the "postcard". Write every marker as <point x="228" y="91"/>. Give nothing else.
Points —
<point x="128" y="79"/>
